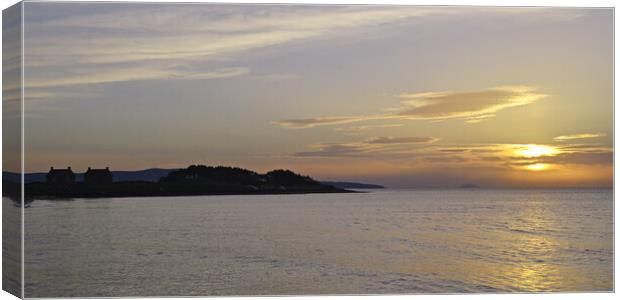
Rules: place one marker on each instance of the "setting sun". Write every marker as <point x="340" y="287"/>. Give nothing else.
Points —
<point x="537" y="167"/>
<point x="531" y="150"/>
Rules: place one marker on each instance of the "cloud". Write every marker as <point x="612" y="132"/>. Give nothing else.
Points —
<point x="240" y="19"/>
<point x="401" y="140"/>
<point x="151" y="34"/>
<point x="184" y="42"/>
<point x="478" y="118"/>
<point x="490" y="158"/>
<point x="313" y="122"/>
<point x="276" y="77"/>
<point x="477" y="163"/>
<point x="334" y="150"/>
<point x="454" y="150"/>
<point x="94" y="76"/>
<point x="367" y="127"/>
<point x="473" y="106"/>
<point x="383" y="145"/>
<point x="469" y="105"/>
<point x="88" y="45"/>
<point x="446" y="159"/>
<point x="521" y="154"/>
<point x="534" y="155"/>
<point x="587" y="158"/>
<point x="577" y="136"/>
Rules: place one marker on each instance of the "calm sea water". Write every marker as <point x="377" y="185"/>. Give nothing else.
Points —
<point x="392" y="241"/>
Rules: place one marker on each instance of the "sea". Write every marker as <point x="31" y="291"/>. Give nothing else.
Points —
<point x="376" y="242"/>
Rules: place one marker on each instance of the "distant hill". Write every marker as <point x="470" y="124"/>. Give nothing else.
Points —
<point x="29" y="177"/>
<point x="154" y="174"/>
<point x="352" y="185"/>
<point x="150" y="175"/>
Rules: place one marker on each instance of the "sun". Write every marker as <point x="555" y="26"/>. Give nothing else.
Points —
<point x="532" y="150"/>
<point x="537" y="167"/>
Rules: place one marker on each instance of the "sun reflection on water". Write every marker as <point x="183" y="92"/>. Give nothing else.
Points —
<point x="534" y="271"/>
<point x="532" y="267"/>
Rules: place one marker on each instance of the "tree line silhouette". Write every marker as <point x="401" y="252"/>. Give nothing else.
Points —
<point x="193" y="180"/>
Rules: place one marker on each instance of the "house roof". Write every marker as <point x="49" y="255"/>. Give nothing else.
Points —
<point x="67" y="171"/>
<point x="105" y="171"/>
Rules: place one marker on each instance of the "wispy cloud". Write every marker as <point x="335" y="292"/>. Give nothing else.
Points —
<point x="577" y="136"/>
<point x="335" y="150"/>
<point x="535" y="157"/>
<point x="369" y="146"/>
<point x="276" y="77"/>
<point x="600" y="157"/>
<point x="446" y="159"/>
<point x="478" y="118"/>
<point x="386" y="140"/>
<point x="473" y="106"/>
<point x="94" y="76"/>
<point x="424" y="152"/>
<point x="140" y="42"/>
<point x="367" y="127"/>
<point x="313" y="122"/>
<point x="477" y="104"/>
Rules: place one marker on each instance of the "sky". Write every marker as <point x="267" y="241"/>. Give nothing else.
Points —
<point x="402" y="96"/>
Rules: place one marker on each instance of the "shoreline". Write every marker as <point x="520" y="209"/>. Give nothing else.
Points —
<point x="191" y="195"/>
<point x="43" y="191"/>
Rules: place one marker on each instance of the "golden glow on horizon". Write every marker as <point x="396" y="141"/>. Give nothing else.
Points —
<point x="537" y="167"/>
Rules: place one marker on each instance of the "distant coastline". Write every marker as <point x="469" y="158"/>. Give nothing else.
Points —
<point x="195" y="180"/>
<point x="154" y="174"/>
